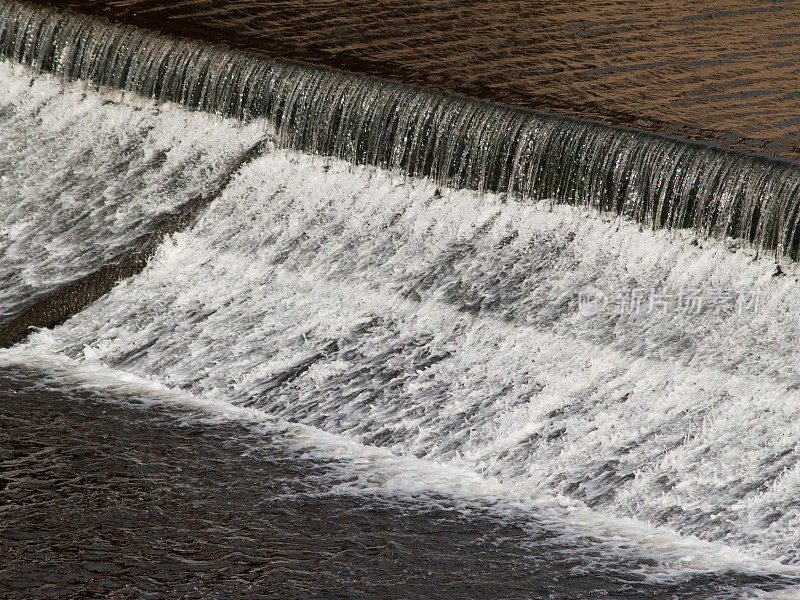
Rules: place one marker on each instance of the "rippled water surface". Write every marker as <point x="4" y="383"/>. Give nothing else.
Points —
<point x="101" y="498"/>
<point x="719" y="69"/>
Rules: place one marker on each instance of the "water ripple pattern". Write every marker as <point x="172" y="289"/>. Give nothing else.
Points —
<point x="659" y="180"/>
<point x="711" y="69"/>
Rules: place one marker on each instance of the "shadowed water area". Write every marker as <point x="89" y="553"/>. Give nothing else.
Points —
<point x="716" y="69"/>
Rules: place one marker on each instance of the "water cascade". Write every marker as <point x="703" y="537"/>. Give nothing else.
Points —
<point x="457" y="141"/>
<point x="426" y="316"/>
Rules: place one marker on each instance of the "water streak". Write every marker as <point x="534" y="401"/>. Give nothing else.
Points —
<point x="659" y="180"/>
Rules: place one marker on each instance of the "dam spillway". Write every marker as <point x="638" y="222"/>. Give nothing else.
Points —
<point x="403" y="297"/>
<point x="658" y="180"/>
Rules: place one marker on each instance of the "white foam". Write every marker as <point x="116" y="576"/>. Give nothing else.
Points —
<point x="371" y="469"/>
<point x="527" y="392"/>
<point x="85" y="172"/>
<point x="436" y="339"/>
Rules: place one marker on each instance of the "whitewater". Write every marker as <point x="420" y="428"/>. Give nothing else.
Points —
<point x="434" y="337"/>
<point x="564" y="323"/>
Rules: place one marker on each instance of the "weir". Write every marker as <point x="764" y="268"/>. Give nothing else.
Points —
<point x="399" y="322"/>
<point x="57" y="305"/>
<point x="658" y="180"/>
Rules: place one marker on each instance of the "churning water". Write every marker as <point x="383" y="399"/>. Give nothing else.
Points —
<point x="605" y="400"/>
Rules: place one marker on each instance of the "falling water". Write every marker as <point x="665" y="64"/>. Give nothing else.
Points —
<point x="457" y="141"/>
<point x="448" y="328"/>
<point x="430" y="337"/>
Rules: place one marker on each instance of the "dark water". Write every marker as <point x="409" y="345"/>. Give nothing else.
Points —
<point x="716" y="69"/>
<point x="101" y="498"/>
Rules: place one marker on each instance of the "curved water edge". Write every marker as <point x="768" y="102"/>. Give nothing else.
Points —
<point x="505" y="341"/>
<point x="448" y="327"/>
<point x="53" y="307"/>
<point x="369" y="511"/>
<point x="89" y="183"/>
<point x="458" y="142"/>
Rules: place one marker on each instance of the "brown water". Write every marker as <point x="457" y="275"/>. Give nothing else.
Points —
<point x="724" y="70"/>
